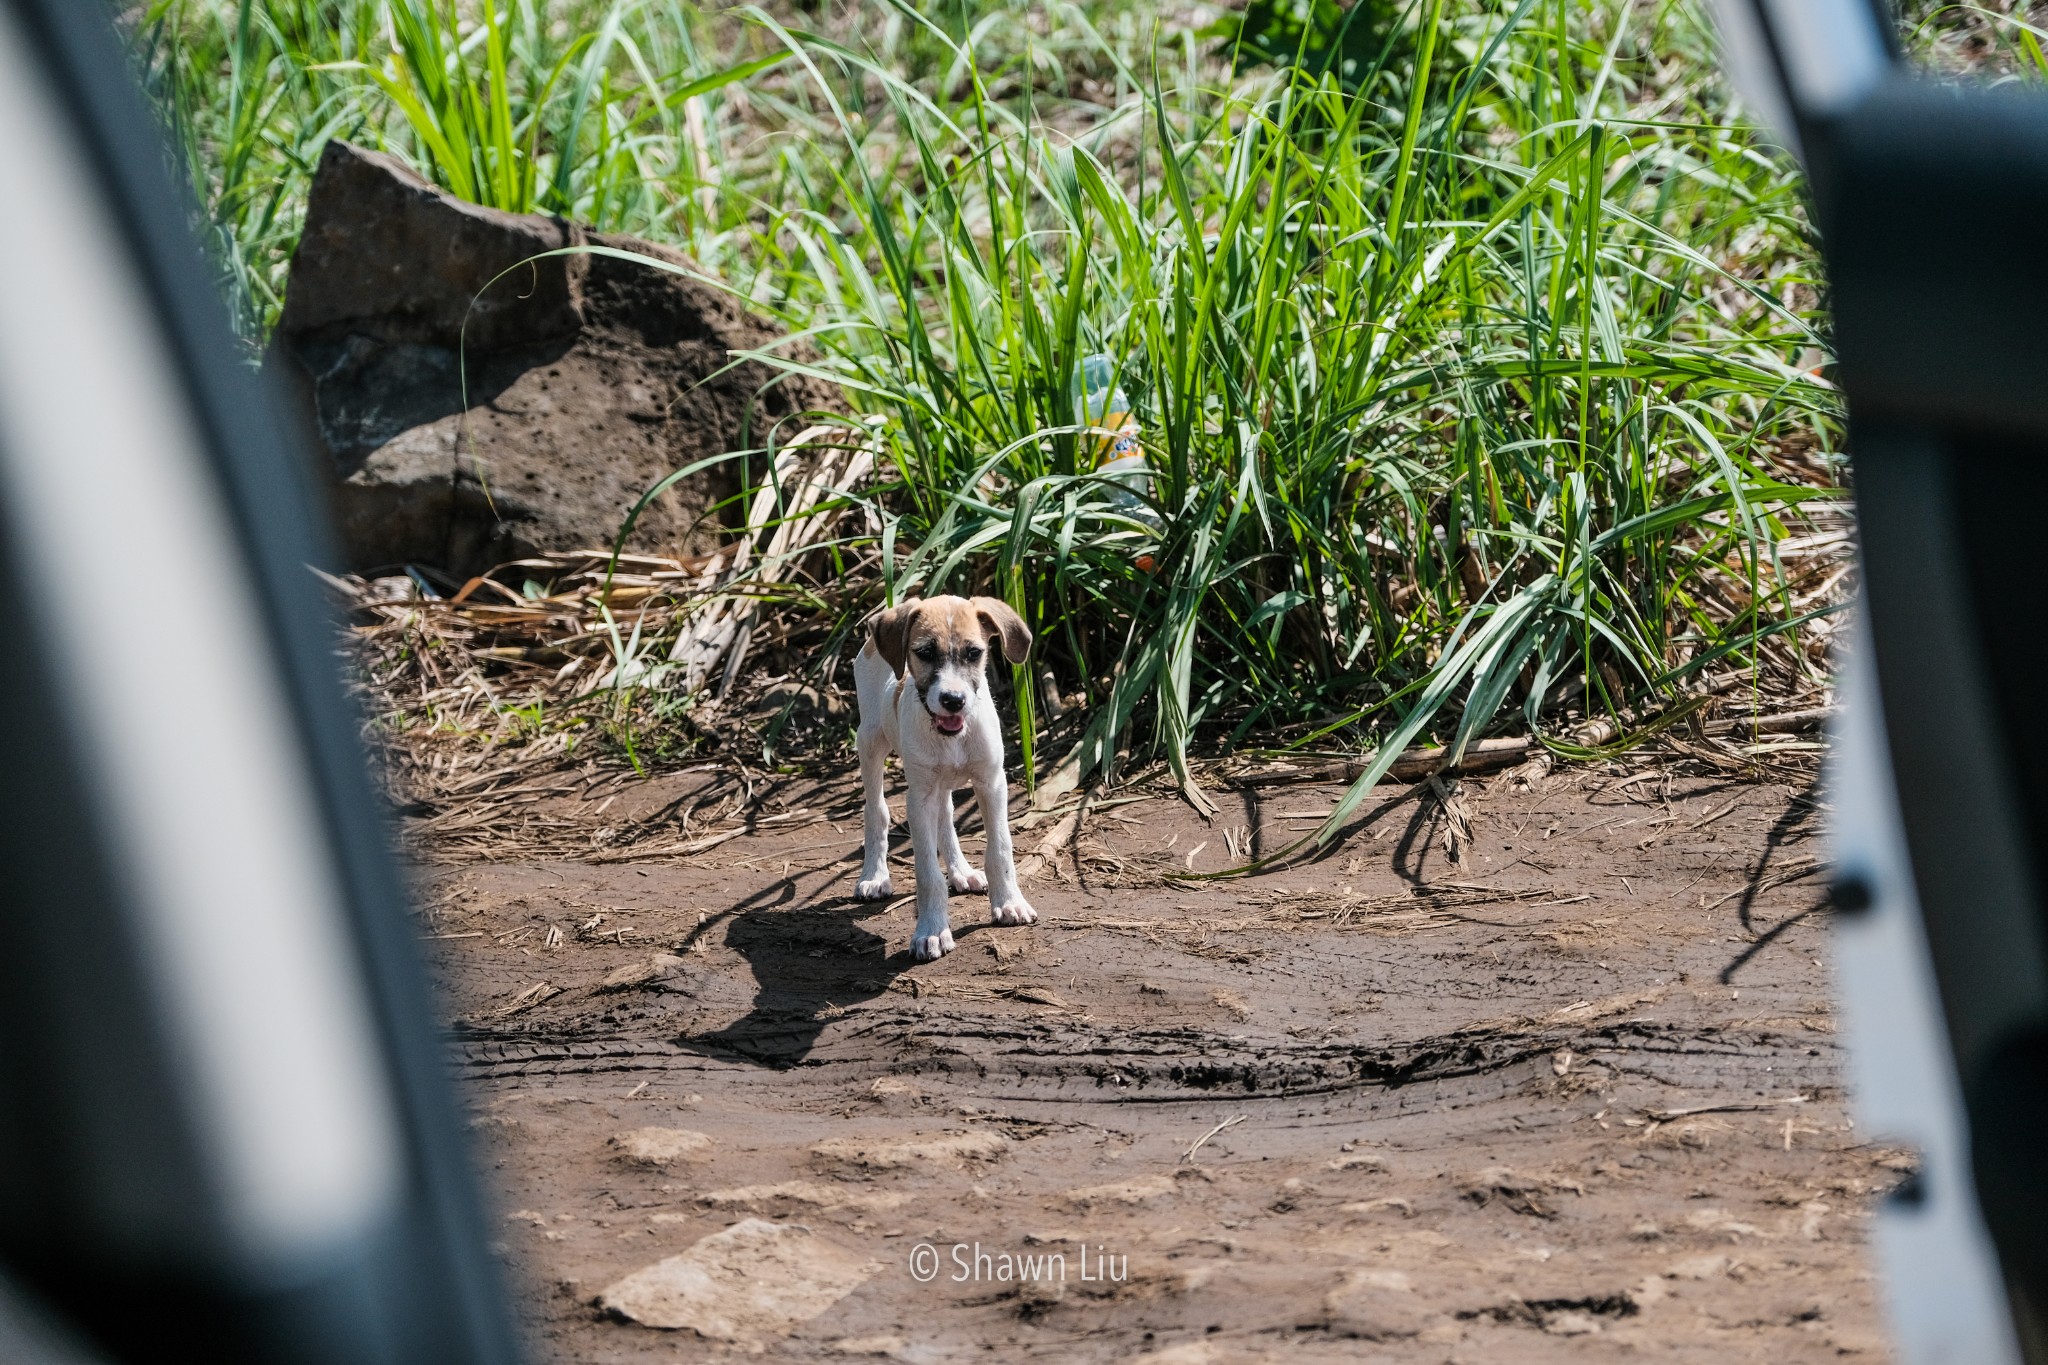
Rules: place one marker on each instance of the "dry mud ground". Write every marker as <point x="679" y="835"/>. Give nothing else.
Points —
<point x="1577" y="1097"/>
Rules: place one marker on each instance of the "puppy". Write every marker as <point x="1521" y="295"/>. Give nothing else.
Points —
<point x="923" y="689"/>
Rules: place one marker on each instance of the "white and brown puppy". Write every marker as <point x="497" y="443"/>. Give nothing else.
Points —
<point x="923" y="684"/>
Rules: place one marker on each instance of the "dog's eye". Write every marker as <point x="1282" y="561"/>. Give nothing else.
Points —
<point x="971" y="654"/>
<point x="928" y="651"/>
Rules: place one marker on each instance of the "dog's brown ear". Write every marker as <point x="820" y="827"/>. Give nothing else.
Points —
<point x="998" y="619"/>
<point x="889" y="633"/>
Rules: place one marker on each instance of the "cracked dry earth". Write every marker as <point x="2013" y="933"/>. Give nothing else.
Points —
<point x="1576" y="1096"/>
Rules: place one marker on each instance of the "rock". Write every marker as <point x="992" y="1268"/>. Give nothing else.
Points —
<point x="1698" y="1268"/>
<point x="1394" y="1202"/>
<point x="884" y="1154"/>
<point x="826" y="1197"/>
<point x="1358" y="1161"/>
<point x="585" y="377"/>
<point x="660" y="1146"/>
<point x="1396" y="1281"/>
<point x="1188" y="1353"/>
<point x="1524" y="1194"/>
<point x="753" y="1280"/>
<point x="656" y="968"/>
<point x="1571" y="1323"/>
<point x="1375" y="1304"/>
<point x="801" y="699"/>
<point x="1122" y="1192"/>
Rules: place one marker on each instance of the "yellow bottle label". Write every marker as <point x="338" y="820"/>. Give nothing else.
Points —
<point x="1116" y="436"/>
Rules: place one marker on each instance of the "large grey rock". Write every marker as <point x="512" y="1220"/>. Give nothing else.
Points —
<point x="586" y="377"/>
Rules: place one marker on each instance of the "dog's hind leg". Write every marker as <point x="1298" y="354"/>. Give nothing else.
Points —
<point x="929" y="806"/>
<point x="960" y="873"/>
<point x="1006" y="904"/>
<point x="874" y="884"/>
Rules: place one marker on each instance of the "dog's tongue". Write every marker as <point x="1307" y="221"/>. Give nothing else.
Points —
<point x="949" y="725"/>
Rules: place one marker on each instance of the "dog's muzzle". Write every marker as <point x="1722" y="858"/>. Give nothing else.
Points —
<point x="951" y="717"/>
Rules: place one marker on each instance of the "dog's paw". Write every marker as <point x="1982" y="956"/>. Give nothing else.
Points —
<point x="1016" y="910"/>
<point x="931" y="947"/>
<point x="964" y="878"/>
<point x="874" y="888"/>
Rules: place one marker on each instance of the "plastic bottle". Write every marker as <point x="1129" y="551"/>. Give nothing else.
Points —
<point x="1114" y="442"/>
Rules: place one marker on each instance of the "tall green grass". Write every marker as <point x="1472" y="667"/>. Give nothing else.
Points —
<point x="596" y="110"/>
<point x="1458" y="387"/>
<point x="657" y="117"/>
<point x="1465" y="374"/>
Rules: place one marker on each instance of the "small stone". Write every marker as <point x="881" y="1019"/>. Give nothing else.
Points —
<point x="1187" y="1353"/>
<point x="799" y="697"/>
<point x="803" y="1192"/>
<point x="1395" y="1280"/>
<point x="1571" y="1323"/>
<point x="1357" y="1161"/>
<point x="1394" y="1202"/>
<point x="1121" y="1192"/>
<point x="1375" y="1305"/>
<point x="660" y="1146"/>
<point x="1698" y="1268"/>
<point x="923" y="1150"/>
<point x="633" y="974"/>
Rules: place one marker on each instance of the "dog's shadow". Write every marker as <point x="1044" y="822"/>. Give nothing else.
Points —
<point x="811" y="960"/>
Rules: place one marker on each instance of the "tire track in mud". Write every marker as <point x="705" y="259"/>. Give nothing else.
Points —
<point x="1075" y="1064"/>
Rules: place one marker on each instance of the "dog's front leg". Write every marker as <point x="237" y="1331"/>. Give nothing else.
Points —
<point x="874" y="884"/>
<point x="1006" y="904"/>
<point x="960" y="873"/>
<point x="929" y="804"/>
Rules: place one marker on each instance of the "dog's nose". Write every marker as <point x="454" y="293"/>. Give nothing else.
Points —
<point x="954" y="702"/>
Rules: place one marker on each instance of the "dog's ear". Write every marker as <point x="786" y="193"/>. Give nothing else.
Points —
<point x="998" y="619"/>
<point x="889" y="633"/>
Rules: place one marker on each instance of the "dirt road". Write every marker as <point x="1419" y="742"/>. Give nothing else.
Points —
<point x="1576" y="1096"/>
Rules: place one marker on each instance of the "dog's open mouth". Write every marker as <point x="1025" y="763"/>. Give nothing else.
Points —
<point x="948" y="724"/>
